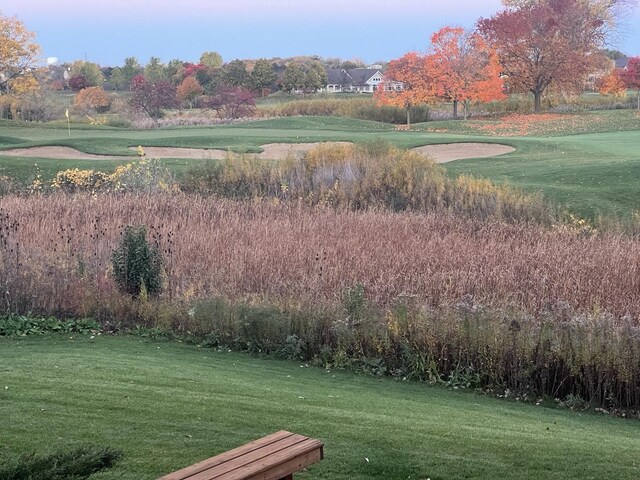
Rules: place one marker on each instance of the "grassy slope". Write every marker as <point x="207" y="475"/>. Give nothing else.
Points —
<point x="591" y="166"/>
<point x="168" y="405"/>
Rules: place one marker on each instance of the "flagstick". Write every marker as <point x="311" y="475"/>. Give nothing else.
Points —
<point x="69" y="126"/>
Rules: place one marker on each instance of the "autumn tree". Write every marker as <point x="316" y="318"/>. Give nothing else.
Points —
<point x="189" y="90"/>
<point x="417" y="80"/>
<point x="211" y="59"/>
<point x="78" y="82"/>
<point x="18" y="53"/>
<point x="92" y="99"/>
<point x="151" y="98"/>
<point x="612" y="84"/>
<point x="89" y="70"/>
<point x="546" y="43"/>
<point x="465" y="68"/>
<point x="631" y="76"/>
<point x="230" y="102"/>
<point x="262" y="75"/>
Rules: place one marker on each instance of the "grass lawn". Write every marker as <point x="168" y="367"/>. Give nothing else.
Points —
<point x="168" y="405"/>
<point x="589" y="162"/>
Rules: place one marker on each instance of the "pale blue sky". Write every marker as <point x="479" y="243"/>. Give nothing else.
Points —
<point x="107" y="31"/>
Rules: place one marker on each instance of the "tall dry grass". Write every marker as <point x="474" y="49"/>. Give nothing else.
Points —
<point x="238" y="249"/>
<point x="435" y="297"/>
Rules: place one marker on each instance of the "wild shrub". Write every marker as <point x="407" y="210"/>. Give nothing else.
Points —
<point x="365" y="176"/>
<point x="137" y="265"/>
<point x="77" y="464"/>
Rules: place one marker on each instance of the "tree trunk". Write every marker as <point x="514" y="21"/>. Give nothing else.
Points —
<point x="455" y="109"/>
<point x="408" y="117"/>
<point x="465" y="106"/>
<point x="537" y="101"/>
<point x="639" y="99"/>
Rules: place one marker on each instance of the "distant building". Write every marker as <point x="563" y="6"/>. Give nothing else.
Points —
<point x="358" y="80"/>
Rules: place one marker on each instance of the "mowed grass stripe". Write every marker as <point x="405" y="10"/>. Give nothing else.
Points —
<point x="168" y="405"/>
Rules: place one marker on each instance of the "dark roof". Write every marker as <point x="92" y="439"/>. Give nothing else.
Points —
<point x="622" y="62"/>
<point x="352" y="76"/>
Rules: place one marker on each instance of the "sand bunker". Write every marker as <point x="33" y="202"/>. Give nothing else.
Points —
<point x="442" y="153"/>
<point x="178" y="152"/>
<point x="55" y="152"/>
<point x="274" y="151"/>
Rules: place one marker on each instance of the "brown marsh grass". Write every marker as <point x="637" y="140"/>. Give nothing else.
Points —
<point x="261" y="250"/>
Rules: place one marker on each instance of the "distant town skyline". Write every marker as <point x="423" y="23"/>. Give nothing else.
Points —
<point x="107" y="32"/>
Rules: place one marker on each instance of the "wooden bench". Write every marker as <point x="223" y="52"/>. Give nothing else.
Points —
<point x="274" y="457"/>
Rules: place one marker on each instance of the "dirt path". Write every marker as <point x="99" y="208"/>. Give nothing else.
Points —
<point x="440" y="153"/>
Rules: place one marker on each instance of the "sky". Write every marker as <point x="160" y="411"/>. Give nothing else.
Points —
<point x="106" y="32"/>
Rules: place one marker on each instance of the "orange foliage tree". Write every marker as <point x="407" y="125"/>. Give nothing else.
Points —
<point x="465" y="68"/>
<point x="92" y="99"/>
<point x="612" y="84"/>
<point x="418" y="86"/>
<point x="189" y="90"/>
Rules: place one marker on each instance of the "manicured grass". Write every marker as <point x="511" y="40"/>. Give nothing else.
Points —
<point x="167" y="405"/>
<point x="588" y="162"/>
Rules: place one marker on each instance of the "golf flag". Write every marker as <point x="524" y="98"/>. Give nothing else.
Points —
<point x="66" y="114"/>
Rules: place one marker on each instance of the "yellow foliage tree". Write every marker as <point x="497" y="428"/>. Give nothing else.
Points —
<point x="18" y="53"/>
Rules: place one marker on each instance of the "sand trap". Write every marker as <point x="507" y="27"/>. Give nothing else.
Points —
<point x="281" y="150"/>
<point x="442" y="153"/>
<point x="178" y="152"/>
<point x="55" y="152"/>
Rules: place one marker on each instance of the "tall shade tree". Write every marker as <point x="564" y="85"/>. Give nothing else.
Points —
<point x="417" y="80"/>
<point x="262" y="75"/>
<point x="155" y="70"/>
<point x="465" y="68"/>
<point x="18" y="53"/>
<point x="121" y="77"/>
<point x="548" y="43"/>
<point x="631" y="76"/>
<point x="211" y="59"/>
<point x="89" y="70"/>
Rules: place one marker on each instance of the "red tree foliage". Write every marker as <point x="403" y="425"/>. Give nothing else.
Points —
<point x="231" y="102"/>
<point x="151" y="98"/>
<point x="78" y="83"/>
<point x="631" y="76"/>
<point x="552" y="42"/>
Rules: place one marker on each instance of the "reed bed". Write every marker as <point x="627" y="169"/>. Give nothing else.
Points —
<point x="260" y="249"/>
<point x="506" y="307"/>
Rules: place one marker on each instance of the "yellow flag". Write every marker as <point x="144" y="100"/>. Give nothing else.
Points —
<point x="66" y="113"/>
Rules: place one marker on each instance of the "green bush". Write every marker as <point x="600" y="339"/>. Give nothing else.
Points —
<point x="76" y="464"/>
<point x="19" y="325"/>
<point x="137" y="265"/>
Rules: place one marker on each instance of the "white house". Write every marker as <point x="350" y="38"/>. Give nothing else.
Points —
<point x="358" y="80"/>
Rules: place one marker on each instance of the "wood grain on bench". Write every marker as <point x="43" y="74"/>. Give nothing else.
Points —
<point x="273" y="457"/>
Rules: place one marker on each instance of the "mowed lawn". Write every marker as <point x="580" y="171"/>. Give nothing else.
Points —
<point x="167" y="405"/>
<point x="583" y="166"/>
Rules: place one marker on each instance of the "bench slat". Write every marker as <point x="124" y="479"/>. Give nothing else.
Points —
<point x="282" y="463"/>
<point x="267" y="454"/>
<point x="196" y="468"/>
